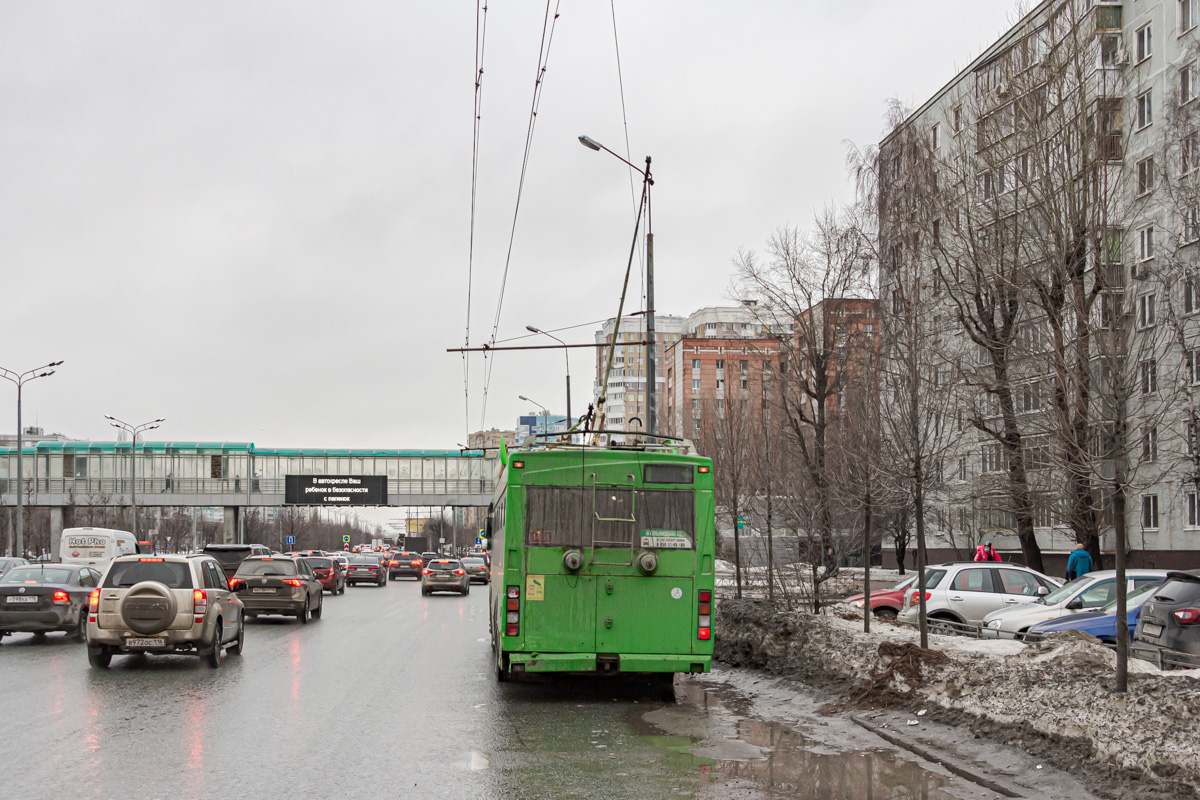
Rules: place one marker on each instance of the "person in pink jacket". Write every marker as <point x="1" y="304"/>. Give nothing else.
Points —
<point x="985" y="552"/>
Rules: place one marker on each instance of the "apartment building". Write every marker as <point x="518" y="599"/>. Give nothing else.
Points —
<point x="835" y="337"/>
<point x="1038" y="225"/>
<point x="709" y="377"/>
<point x="626" y="394"/>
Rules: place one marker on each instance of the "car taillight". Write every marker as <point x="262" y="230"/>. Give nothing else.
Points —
<point x="155" y="560"/>
<point x="232" y="582"/>
<point x="512" y="611"/>
<point x="373" y="569"/>
<point x="460" y="572"/>
<point x="915" y="597"/>
<point x="1187" y="616"/>
<point x="393" y="563"/>
<point x="94" y="600"/>
<point x="292" y="581"/>
<point x="426" y="572"/>
<point x="416" y="563"/>
<point x="704" y="617"/>
<point x="61" y="598"/>
<point x="199" y="604"/>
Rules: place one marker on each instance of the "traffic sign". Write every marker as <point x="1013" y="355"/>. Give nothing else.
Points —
<point x="346" y="539"/>
<point x="291" y="540"/>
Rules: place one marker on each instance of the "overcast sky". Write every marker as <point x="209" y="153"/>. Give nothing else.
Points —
<point x="253" y="218"/>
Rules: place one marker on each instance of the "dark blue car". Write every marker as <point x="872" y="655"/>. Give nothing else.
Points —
<point x="1100" y="622"/>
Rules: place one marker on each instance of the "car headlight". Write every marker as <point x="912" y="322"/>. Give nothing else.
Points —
<point x="857" y="604"/>
<point x="994" y="625"/>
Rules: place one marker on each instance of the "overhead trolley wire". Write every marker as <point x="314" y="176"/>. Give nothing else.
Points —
<point x="549" y="23"/>
<point x="625" y="125"/>
<point x="480" y="47"/>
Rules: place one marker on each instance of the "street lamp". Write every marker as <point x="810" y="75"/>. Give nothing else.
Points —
<point x="567" y="358"/>
<point x="133" y="430"/>
<point x="536" y="403"/>
<point x="20" y="379"/>
<point x="651" y="360"/>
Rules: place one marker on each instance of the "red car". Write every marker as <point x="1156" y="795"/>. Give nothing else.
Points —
<point x="884" y="602"/>
<point x="329" y="572"/>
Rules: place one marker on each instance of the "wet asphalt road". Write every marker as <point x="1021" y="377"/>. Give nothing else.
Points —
<point x="392" y="694"/>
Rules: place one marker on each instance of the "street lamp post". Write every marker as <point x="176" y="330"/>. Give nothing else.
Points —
<point x="651" y="356"/>
<point x="20" y="379"/>
<point x="567" y="358"/>
<point x="133" y="430"/>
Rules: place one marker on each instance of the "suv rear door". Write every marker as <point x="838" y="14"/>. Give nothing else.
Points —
<point x="971" y="596"/>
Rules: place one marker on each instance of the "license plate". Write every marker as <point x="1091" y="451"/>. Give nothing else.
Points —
<point x="263" y="591"/>
<point x="1151" y="629"/>
<point x="16" y="598"/>
<point x="145" y="642"/>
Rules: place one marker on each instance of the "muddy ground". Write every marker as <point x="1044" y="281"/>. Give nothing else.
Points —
<point x="1053" y="701"/>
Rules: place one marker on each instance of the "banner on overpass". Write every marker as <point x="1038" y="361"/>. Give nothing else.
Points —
<point x="335" y="490"/>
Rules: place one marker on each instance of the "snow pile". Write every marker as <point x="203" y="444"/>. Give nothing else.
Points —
<point x="1059" y="689"/>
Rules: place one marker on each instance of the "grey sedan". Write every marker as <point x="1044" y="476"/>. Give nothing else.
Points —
<point x="39" y="598"/>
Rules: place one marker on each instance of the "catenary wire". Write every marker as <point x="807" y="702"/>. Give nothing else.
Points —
<point x="480" y="48"/>
<point x="549" y="23"/>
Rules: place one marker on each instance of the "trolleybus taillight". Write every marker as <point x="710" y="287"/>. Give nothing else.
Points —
<point x="512" y="611"/>
<point x="704" y="621"/>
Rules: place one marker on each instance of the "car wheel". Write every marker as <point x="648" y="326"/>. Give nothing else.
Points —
<point x="467" y="589"/>
<point x="81" y="631"/>
<point x="380" y="582"/>
<point x="236" y="648"/>
<point x="342" y="589"/>
<point x="424" y="591"/>
<point x="303" y="615"/>
<point x="501" y="672"/>
<point x="942" y="627"/>
<point x="212" y="654"/>
<point x="884" y="614"/>
<point x="99" y="656"/>
<point x="316" y="614"/>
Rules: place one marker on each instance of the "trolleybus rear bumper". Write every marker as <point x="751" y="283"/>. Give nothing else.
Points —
<point x="619" y="662"/>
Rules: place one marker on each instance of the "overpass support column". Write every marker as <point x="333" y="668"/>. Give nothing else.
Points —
<point x="232" y="529"/>
<point x="56" y="529"/>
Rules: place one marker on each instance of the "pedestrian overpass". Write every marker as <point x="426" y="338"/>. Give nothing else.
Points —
<point x="231" y="475"/>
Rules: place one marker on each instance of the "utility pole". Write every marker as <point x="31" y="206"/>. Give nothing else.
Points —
<point x="20" y="379"/>
<point x="133" y="430"/>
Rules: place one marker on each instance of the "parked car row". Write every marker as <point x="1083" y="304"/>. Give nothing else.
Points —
<point x="1009" y="601"/>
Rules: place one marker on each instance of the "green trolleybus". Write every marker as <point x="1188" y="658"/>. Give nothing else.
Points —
<point x="602" y="560"/>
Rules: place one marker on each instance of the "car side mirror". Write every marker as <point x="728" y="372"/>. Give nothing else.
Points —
<point x="1075" y="604"/>
<point x="1042" y="591"/>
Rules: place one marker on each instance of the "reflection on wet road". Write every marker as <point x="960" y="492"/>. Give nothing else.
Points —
<point x="392" y="694"/>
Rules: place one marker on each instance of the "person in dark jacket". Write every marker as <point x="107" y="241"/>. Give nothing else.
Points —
<point x="1079" y="563"/>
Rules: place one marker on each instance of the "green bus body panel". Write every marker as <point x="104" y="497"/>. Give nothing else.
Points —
<point x="609" y="608"/>
<point x="563" y="622"/>
<point x="640" y="615"/>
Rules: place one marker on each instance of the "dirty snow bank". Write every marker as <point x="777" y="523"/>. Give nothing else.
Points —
<point x="1059" y="689"/>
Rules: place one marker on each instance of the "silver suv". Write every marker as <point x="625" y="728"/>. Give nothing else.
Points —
<point x="961" y="594"/>
<point x="164" y="604"/>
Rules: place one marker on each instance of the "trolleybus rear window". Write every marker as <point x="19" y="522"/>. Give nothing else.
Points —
<point x="571" y="516"/>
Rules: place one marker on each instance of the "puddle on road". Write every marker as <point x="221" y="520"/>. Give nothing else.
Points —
<point x="707" y="730"/>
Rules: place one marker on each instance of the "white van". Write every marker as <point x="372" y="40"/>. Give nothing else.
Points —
<point x="95" y="547"/>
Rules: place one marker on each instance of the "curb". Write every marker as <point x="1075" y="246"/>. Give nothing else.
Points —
<point x="929" y="754"/>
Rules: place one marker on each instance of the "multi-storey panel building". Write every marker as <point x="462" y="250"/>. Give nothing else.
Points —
<point x="1038" y="221"/>
<point x="626" y="395"/>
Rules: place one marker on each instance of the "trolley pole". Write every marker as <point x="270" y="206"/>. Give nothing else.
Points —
<point x="651" y="362"/>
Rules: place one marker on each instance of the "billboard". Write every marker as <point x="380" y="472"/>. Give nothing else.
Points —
<point x="335" y="490"/>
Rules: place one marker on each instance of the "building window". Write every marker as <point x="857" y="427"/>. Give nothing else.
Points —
<point x="1191" y="293"/>
<point x="992" y="458"/>
<point x="720" y="384"/>
<point x="1193" y="510"/>
<point x="1150" y="443"/>
<point x="1145" y="175"/>
<point x="1193" y="366"/>
<point x="936" y="136"/>
<point x="695" y="384"/>
<point x="957" y="118"/>
<point x="1149" y="376"/>
<point x="1145" y="311"/>
<point x="1191" y="225"/>
<point x="1187" y="15"/>
<point x="962" y="469"/>
<point x="1030" y="397"/>
<point x="720" y="364"/>
<point x="1149" y="512"/>
<point x="1191" y="430"/>
<point x="1187" y="83"/>
<point x="1145" y="43"/>
<point x="1145" y="109"/>
<point x="1146" y="243"/>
